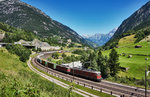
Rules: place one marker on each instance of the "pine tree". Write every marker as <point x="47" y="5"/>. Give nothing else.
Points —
<point x="84" y="60"/>
<point x="93" y="59"/>
<point x="113" y="62"/>
<point x="102" y="64"/>
<point x="93" y="65"/>
<point x="100" y="60"/>
<point x="106" y="70"/>
<point x="89" y="61"/>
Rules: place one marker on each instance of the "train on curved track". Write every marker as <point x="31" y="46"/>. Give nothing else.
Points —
<point x="84" y="73"/>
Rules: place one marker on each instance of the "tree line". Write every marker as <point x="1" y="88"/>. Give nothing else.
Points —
<point x="19" y="50"/>
<point x="97" y="61"/>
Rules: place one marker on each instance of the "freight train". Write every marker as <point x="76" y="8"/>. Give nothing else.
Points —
<point x="84" y="73"/>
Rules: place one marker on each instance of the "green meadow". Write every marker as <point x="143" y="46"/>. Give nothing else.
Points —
<point x="136" y="64"/>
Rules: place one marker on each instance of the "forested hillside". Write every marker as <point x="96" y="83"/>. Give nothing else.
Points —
<point x="13" y="34"/>
<point x="21" y="15"/>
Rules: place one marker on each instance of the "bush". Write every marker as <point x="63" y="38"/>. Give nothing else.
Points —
<point x="142" y="34"/>
<point x="55" y="55"/>
<point x="18" y="34"/>
<point x="80" y="52"/>
<point x="128" y="80"/>
<point x="19" y="50"/>
<point x="15" y="88"/>
<point x="59" y="62"/>
<point x="69" y="59"/>
<point x="49" y="58"/>
<point x="64" y="55"/>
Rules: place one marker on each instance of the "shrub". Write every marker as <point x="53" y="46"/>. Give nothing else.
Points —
<point x="64" y="55"/>
<point x="19" y="50"/>
<point x="55" y="55"/>
<point x="49" y="58"/>
<point x="59" y="62"/>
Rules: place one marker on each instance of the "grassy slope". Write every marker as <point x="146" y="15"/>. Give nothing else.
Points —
<point x="127" y="41"/>
<point x="16" y="77"/>
<point x="136" y="64"/>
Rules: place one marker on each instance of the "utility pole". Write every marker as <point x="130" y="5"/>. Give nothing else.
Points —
<point x="90" y="62"/>
<point x="146" y="78"/>
<point x="71" y="86"/>
<point x="73" y="70"/>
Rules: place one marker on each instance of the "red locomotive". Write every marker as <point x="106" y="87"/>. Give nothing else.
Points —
<point x="88" y="74"/>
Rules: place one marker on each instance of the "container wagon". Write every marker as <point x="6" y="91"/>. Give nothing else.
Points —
<point x="51" y="65"/>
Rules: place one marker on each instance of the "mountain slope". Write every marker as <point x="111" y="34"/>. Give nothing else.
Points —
<point x="22" y="15"/>
<point x="140" y="16"/>
<point x="136" y="22"/>
<point x="100" y="39"/>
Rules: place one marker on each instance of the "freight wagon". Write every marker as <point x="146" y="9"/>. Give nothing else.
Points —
<point x="51" y="65"/>
<point x="47" y="63"/>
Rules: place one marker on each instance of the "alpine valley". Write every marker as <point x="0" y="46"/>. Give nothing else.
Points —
<point x="41" y="57"/>
<point x="99" y="39"/>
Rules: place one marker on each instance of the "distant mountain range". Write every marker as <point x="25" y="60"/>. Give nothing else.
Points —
<point x="21" y="15"/>
<point x="139" y="20"/>
<point x="99" y="39"/>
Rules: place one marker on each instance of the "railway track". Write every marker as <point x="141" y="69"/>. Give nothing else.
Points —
<point x="111" y="88"/>
<point x="79" y="91"/>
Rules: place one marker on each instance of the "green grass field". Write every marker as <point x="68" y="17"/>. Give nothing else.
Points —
<point x="137" y="63"/>
<point x="136" y="66"/>
<point x="17" y="80"/>
<point x="127" y="41"/>
<point x="145" y="50"/>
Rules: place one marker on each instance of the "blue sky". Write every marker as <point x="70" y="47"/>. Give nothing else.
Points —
<point x="88" y="16"/>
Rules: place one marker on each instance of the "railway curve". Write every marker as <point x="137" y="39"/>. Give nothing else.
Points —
<point x="103" y="86"/>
